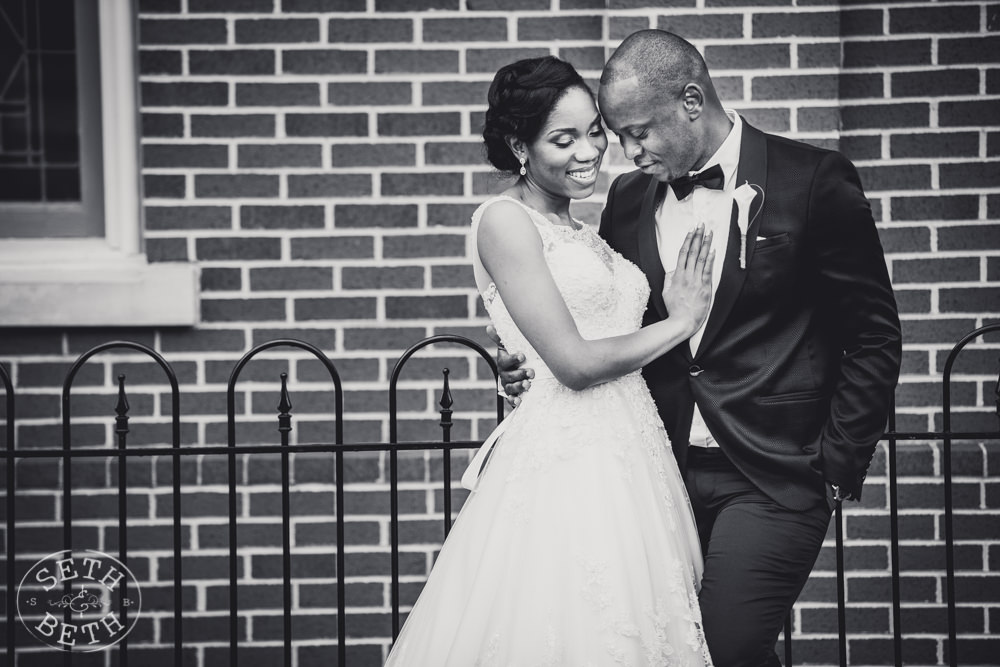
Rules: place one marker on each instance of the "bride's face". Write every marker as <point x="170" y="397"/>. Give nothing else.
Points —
<point x="566" y="157"/>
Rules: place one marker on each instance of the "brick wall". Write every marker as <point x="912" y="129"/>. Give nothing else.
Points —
<point x="318" y="160"/>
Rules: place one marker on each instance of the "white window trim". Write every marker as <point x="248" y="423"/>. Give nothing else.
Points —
<point x="102" y="281"/>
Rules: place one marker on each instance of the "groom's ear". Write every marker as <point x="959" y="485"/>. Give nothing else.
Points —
<point x="694" y="100"/>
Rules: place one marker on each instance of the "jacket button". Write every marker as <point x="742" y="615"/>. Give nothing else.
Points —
<point x="695" y="370"/>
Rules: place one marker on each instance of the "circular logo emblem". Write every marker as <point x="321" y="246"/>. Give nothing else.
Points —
<point x="79" y="600"/>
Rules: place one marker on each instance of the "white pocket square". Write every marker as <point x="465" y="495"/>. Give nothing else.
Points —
<point x="761" y="238"/>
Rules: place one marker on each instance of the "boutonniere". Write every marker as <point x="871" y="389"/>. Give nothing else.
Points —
<point x="743" y="196"/>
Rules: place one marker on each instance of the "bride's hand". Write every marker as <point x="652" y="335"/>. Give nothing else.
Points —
<point x="688" y="294"/>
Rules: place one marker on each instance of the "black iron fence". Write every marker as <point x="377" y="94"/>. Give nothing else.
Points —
<point x="176" y="452"/>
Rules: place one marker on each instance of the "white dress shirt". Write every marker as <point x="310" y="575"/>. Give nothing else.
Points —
<point x="674" y="219"/>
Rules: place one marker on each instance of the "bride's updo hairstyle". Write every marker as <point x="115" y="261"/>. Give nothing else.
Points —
<point x="521" y="98"/>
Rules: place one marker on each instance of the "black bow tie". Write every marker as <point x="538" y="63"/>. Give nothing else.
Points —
<point x="712" y="178"/>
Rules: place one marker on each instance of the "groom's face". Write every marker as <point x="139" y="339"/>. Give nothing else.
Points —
<point x="654" y="129"/>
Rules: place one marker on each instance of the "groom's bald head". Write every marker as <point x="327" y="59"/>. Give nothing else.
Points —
<point x="661" y="62"/>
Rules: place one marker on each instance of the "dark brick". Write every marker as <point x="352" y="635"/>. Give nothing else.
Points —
<point x="282" y="217"/>
<point x="822" y="54"/>
<point x="162" y="125"/>
<point x="969" y="50"/>
<point x="323" y="61"/>
<point x="370" y="93"/>
<point x="934" y="144"/>
<point x="291" y="6"/>
<point x="324" y="339"/>
<point x="876" y="651"/>
<point x="159" y="6"/>
<point x="970" y="300"/>
<point x="913" y="301"/>
<point x="858" y="22"/>
<point x="228" y="6"/>
<point x="30" y="341"/>
<point x="696" y="26"/>
<point x="993" y="144"/>
<point x="202" y="340"/>
<point x="220" y="280"/>
<point x="188" y="217"/>
<point x="620" y="27"/>
<point x="407" y="60"/>
<point x="451" y="215"/>
<point x="436" y="183"/>
<point x="454" y="152"/>
<point x="747" y="56"/>
<point x="280" y="155"/>
<point x="933" y="19"/>
<point x="941" y="81"/>
<point x="861" y="147"/>
<point x="928" y="270"/>
<point x="416" y="124"/>
<point x="557" y="28"/>
<point x="277" y="94"/>
<point x="185" y="155"/>
<point x="374" y="215"/>
<point x="326" y="124"/>
<point x="419" y="307"/>
<point x="584" y="58"/>
<point x="936" y="330"/>
<point x="372" y="155"/>
<point x="507" y="5"/>
<point x="818" y="119"/>
<point x="795" y="87"/>
<point x="382" y="277"/>
<point x="287" y="278"/>
<point x="865" y="116"/>
<point x="490" y="60"/>
<point x="232" y="125"/>
<point x="455" y="92"/>
<point x="799" y="24"/>
<point x="236" y="185"/>
<point x="460" y="30"/>
<point x="424" y="245"/>
<point x="414" y="5"/>
<point x="875" y="53"/>
<point x="973" y="113"/>
<point x="896" y="177"/>
<point x="159" y="62"/>
<point x="853" y="86"/>
<point x="458" y="275"/>
<point x="769" y="120"/>
<point x="329" y="185"/>
<point x="185" y="94"/>
<point x="235" y="61"/>
<point x="333" y="247"/>
<point x="965" y="207"/>
<point x="236" y="310"/>
<point x="335" y="308"/>
<point x="343" y="30"/>
<point x="970" y="174"/>
<point x="265" y="31"/>
<point x="238" y="248"/>
<point x="182" y="31"/>
<point x="165" y="186"/>
<point x="166" y="250"/>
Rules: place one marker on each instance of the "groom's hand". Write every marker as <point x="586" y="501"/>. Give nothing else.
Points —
<point x="513" y="380"/>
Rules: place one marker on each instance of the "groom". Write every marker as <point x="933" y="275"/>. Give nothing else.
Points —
<point x="774" y="407"/>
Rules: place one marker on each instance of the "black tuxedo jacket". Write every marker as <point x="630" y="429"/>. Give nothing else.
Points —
<point x="801" y="351"/>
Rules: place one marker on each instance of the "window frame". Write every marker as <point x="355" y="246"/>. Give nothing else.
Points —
<point x="102" y="281"/>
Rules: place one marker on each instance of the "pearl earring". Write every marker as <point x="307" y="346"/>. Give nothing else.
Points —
<point x="523" y="170"/>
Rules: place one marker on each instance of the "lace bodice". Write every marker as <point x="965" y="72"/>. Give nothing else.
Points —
<point x="605" y="293"/>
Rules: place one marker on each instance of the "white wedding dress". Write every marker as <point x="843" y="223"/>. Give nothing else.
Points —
<point x="578" y="546"/>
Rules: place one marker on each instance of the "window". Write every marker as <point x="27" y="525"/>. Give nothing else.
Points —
<point x="70" y="216"/>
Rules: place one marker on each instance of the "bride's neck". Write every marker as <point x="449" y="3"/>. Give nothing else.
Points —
<point x="554" y="207"/>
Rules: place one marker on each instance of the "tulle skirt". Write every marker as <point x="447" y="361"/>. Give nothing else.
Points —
<point x="577" y="548"/>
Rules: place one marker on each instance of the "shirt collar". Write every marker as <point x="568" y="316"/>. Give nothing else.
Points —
<point x="728" y="154"/>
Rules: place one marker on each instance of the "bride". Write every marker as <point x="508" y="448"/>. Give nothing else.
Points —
<point x="578" y="546"/>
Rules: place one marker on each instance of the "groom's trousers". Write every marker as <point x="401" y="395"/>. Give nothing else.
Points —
<point x="758" y="556"/>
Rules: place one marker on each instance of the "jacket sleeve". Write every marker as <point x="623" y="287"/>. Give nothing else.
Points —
<point x="856" y="301"/>
<point x="606" y="215"/>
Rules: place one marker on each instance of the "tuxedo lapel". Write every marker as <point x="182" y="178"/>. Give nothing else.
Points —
<point x="649" y="254"/>
<point x="752" y="169"/>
